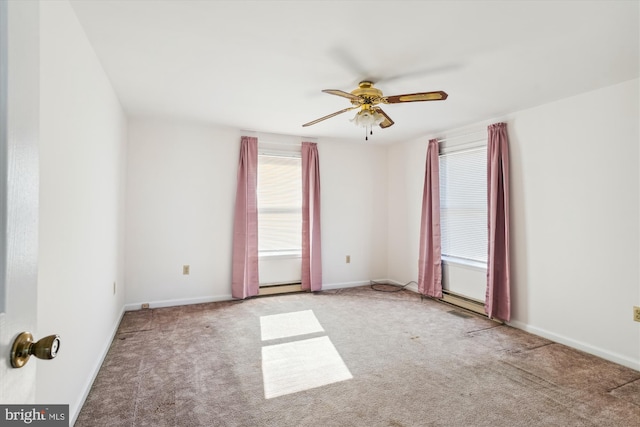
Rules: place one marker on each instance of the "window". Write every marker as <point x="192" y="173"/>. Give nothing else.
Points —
<point x="463" y="205"/>
<point x="279" y="204"/>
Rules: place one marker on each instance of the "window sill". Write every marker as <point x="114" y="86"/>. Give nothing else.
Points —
<point x="280" y="255"/>
<point x="465" y="263"/>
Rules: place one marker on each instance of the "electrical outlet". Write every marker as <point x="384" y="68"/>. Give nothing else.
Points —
<point x="636" y="313"/>
<point x="348" y="259"/>
<point x="185" y="270"/>
<point x="145" y="305"/>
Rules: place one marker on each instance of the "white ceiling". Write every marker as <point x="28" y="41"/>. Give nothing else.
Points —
<point x="261" y="65"/>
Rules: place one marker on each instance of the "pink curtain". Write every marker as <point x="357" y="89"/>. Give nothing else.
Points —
<point x="244" y="278"/>
<point x="498" y="300"/>
<point x="430" y="264"/>
<point x="311" y="248"/>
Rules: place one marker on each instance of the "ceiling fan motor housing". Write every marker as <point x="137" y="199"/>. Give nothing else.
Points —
<point x="368" y="94"/>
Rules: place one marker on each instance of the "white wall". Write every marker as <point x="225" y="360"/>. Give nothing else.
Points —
<point x="280" y="269"/>
<point x="353" y="180"/>
<point x="466" y="280"/>
<point x="406" y="168"/>
<point x="181" y="186"/>
<point x="82" y="166"/>
<point x="575" y="199"/>
<point x="574" y="211"/>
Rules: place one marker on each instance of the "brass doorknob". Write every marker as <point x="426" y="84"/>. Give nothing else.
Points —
<point x="24" y="347"/>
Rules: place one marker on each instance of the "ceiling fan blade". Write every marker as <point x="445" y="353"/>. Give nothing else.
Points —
<point x="329" y="116"/>
<point x="387" y="120"/>
<point x="342" y="93"/>
<point x="413" y="97"/>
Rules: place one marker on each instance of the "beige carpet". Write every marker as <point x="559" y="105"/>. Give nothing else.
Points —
<point x="353" y="357"/>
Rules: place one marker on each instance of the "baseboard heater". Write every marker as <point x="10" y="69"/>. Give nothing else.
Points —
<point x="463" y="302"/>
<point x="279" y="288"/>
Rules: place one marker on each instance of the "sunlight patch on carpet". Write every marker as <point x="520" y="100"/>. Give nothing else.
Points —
<point x="301" y="365"/>
<point x="289" y="325"/>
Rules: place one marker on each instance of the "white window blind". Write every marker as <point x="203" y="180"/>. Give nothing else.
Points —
<point x="463" y="204"/>
<point x="279" y="205"/>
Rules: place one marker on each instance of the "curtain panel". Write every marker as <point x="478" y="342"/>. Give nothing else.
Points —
<point x="311" y="244"/>
<point x="498" y="299"/>
<point x="430" y="263"/>
<point x="244" y="278"/>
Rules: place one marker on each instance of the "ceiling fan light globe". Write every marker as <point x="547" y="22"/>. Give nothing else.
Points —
<point x="379" y="118"/>
<point x="367" y="118"/>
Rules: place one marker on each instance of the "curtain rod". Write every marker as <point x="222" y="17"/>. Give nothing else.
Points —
<point x="285" y="144"/>
<point x="479" y="132"/>
<point x="276" y="138"/>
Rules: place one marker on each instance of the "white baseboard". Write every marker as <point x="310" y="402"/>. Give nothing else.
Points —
<point x="175" y="302"/>
<point x="201" y="300"/>
<point x="412" y="286"/>
<point x="75" y="411"/>
<point x="332" y="286"/>
<point x="579" y="345"/>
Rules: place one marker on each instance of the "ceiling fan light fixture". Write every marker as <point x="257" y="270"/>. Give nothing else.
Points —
<point x="367" y="118"/>
<point x="367" y="98"/>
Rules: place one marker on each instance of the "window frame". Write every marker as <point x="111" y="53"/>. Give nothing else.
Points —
<point x="286" y="152"/>
<point x="448" y="149"/>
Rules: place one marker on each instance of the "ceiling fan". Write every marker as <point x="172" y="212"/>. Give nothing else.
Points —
<point x="366" y="98"/>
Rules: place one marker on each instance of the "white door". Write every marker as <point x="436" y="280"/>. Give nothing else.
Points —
<point x="19" y="123"/>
